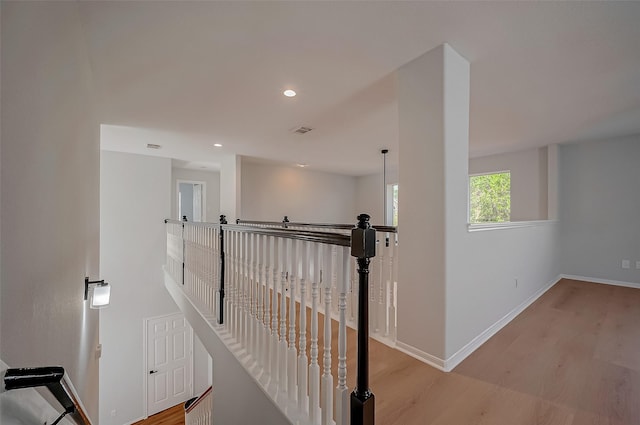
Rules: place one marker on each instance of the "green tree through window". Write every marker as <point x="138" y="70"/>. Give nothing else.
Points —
<point x="490" y="198"/>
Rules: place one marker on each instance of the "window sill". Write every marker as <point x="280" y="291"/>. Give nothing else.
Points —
<point x="481" y="227"/>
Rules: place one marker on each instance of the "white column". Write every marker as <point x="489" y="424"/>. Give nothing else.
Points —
<point x="433" y="108"/>
<point x="230" y="185"/>
<point x="552" y="182"/>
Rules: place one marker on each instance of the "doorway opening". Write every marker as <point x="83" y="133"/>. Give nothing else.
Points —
<point x="192" y="200"/>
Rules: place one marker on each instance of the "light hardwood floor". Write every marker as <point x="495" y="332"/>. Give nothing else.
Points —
<point x="171" y="416"/>
<point x="571" y="358"/>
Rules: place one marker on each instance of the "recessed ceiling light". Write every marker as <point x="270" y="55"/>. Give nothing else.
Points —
<point x="217" y="145"/>
<point x="289" y="93"/>
<point x="301" y="165"/>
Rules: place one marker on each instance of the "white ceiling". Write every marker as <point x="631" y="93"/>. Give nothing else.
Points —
<point x="187" y="75"/>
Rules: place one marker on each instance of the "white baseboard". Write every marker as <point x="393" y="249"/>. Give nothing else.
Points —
<point x="476" y="342"/>
<point x="423" y="356"/>
<point x="602" y="281"/>
<point x="449" y="364"/>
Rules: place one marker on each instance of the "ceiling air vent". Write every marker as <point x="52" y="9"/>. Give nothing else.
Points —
<point x="302" y="130"/>
<point x="152" y="146"/>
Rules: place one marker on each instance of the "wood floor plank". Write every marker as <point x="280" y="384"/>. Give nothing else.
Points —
<point x="568" y="358"/>
<point x="171" y="416"/>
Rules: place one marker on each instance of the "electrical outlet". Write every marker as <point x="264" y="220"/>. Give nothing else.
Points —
<point x="626" y="264"/>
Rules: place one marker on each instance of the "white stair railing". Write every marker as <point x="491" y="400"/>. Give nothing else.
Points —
<point x="200" y="411"/>
<point x="277" y="283"/>
<point x="383" y="272"/>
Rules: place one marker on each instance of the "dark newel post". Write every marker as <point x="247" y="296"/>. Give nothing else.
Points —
<point x="223" y="220"/>
<point x="363" y="247"/>
<point x="285" y="220"/>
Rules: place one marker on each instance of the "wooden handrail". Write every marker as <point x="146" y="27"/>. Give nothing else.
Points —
<point x="329" y="238"/>
<point x="198" y="400"/>
<point x="286" y="224"/>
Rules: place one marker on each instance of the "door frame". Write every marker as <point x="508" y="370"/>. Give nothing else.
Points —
<point x="145" y="361"/>
<point x="204" y="196"/>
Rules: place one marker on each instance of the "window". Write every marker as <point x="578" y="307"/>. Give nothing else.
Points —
<point x="490" y="197"/>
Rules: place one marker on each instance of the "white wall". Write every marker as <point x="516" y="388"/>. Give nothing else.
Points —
<point x="481" y="286"/>
<point x="369" y="195"/>
<point x="202" y="367"/>
<point x="231" y="187"/>
<point x="433" y="109"/>
<point x="455" y="285"/>
<point x="269" y="192"/>
<point x="528" y="180"/>
<point x="49" y="194"/>
<point x="600" y="208"/>
<point x="134" y="201"/>
<point x="211" y="178"/>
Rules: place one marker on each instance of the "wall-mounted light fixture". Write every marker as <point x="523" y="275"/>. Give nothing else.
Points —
<point x="98" y="292"/>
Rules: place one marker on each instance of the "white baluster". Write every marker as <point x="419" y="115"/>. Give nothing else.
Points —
<point x="228" y="267"/>
<point x="209" y="269"/>
<point x="292" y="374"/>
<point x="215" y="263"/>
<point x="201" y="269"/>
<point x="197" y="251"/>
<point x="228" y="279"/>
<point x="205" y="269"/>
<point x="187" y="257"/>
<point x="282" y="346"/>
<point x="246" y="298"/>
<point x="303" y="371"/>
<point x="266" y="337"/>
<point x="274" y="313"/>
<point x="197" y="266"/>
<point x="314" y="367"/>
<point x="334" y="279"/>
<point x="232" y="265"/>
<point x="342" y="392"/>
<point x="259" y="354"/>
<point x="381" y="312"/>
<point x="327" y="378"/>
<point x="393" y="253"/>
<point x="238" y="288"/>
<point x="374" y="278"/>
<point x="251" y="346"/>
<point x="248" y="292"/>
<point x="241" y="289"/>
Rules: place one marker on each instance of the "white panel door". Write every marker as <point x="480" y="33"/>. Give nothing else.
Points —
<point x="169" y="362"/>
